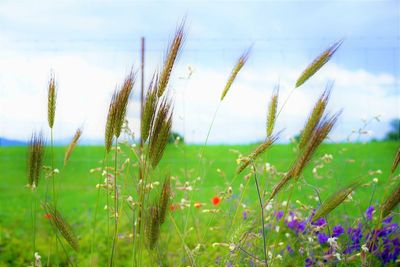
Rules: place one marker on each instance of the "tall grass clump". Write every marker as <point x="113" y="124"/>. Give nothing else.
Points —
<point x="36" y="146"/>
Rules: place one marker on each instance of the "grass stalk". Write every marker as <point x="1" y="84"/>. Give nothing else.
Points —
<point x="262" y="215"/>
<point x="116" y="215"/>
<point x="93" y="237"/>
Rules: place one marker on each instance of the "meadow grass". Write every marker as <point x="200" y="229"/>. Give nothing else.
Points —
<point x="78" y="192"/>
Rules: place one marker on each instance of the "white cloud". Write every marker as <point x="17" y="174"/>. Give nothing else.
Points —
<point x="86" y="84"/>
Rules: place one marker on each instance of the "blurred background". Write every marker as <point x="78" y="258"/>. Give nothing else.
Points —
<point x="91" y="45"/>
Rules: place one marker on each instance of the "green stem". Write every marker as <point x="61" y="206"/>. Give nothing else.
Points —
<point x="262" y="216"/>
<point x="33" y="214"/>
<point x="92" y="239"/>
<point x="114" y="242"/>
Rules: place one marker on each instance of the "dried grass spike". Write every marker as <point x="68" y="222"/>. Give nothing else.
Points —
<point x="334" y="201"/>
<point x="160" y="132"/>
<point x="321" y="132"/>
<point x="271" y="117"/>
<point x="164" y="198"/>
<point x="121" y="103"/>
<point x="110" y="123"/>
<point x="149" y="109"/>
<point x="152" y="227"/>
<point x="72" y="145"/>
<point x="396" y="161"/>
<point x="35" y="158"/>
<point x="238" y="66"/>
<point x="315" y="117"/>
<point x="391" y="202"/>
<point x="172" y="54"/>
<point x="257" y="152"/>
<point x="278" y="187"/>
<point x="62" y="225"/>
<point x="51" y="101"/>
<point x="317" y="64"/>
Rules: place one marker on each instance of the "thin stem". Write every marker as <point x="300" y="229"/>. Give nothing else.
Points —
<point x="262" y="216"/>
<point x="52" y="168"/>
<point x="285" y="102"/>
<point x="33" y="214"/>
<point x="92" y="239"/>
<point x="114" y="244"/>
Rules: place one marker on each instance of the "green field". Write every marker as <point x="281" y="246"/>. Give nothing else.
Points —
<point x="77" y="192"/>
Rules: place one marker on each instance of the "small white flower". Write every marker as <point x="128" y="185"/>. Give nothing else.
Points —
<point x="287" y="235"/>
<point x="106" y="207"/>
<point x="375" y="180"/>
<point x="104" y="173"/>
<point x="37" y="256"/>
<point x="364" y="248"/>
<point x="56" y="171"/>
<point x="277" y="228"/>
<point x="269" y="206"/>
<point x="284" y="203"/>
<point x="231" y="247"/>
<point x="337" y="255"/>
<point x="129" y="199"/>
<point x="279" y="257"/>
<point x="332" y="241"/>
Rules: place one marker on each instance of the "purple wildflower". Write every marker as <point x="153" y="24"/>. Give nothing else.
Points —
<point x="228" y="264"/>
<point x="387" y="230"/>
<point x="322" y="238"/>
<point x="244" y="215"/>
<point x="337" y="230"/>
<point x="388" y="220"/>
<point x="289" y="249"/>
<point x="369" y="212"/>
<point x="355" y="235"/>
<point x="278" y="215"/>
<point x="319" y="222"/>
<point x="309" y="262"/>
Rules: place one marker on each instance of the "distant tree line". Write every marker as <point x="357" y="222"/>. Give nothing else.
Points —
<point x="394" y="133"/>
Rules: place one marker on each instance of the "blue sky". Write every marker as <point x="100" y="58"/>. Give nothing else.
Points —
<point x="91" y="45"/>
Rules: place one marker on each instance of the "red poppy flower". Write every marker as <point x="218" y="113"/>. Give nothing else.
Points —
<point x="47" y="215"/>
<point x="197" y="205"/>
<point x="172" y="207"/>
<point x="216" y="200"/>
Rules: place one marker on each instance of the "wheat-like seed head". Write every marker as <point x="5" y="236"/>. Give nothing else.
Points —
<point x="164" y="198"/>
<point x="172" y="53"/>
<point x="35" y="158"/>
<point x="62" y="225"/>
<point x="152" y="226"/>
<point x="110" y="123"/>
<point x="334" y="201"/>
<point x="396" y="161"/>
<point x="160" y="131"/>
<point x="320" y="61"/>
<point x="391" y="202"/>
<point x="271" y="117"/>
<point x="149" y="109"/>
<point x="321" y="132"/>
<point x="121" y="103"/>
<point x="257" y="152"/>
<point x="51" y="101"/>
<point x="72" y="145"/>
<point x="314" y="117"/>
<point x="238" y="66"/>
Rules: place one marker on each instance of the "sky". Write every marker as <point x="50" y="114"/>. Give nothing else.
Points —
<point x="90" y="46"/>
